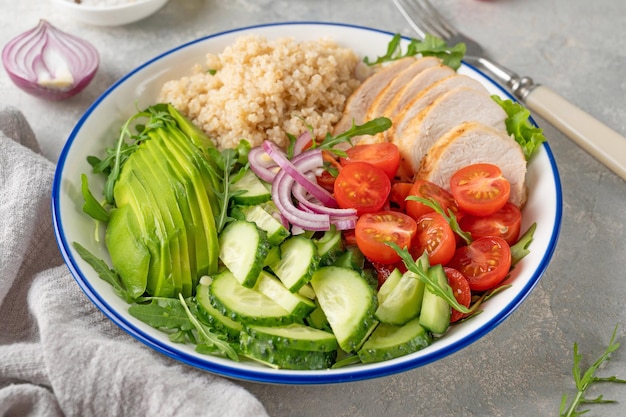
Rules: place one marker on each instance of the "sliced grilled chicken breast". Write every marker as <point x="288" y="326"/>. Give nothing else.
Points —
<point x="471" y="143"/>
<point x="415" y="134"/>
<point x="361" y="99"/>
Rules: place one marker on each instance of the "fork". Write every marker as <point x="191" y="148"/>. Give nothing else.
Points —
<point x="605" y="144"/>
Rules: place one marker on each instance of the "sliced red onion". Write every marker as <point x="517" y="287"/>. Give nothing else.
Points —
<point x="306" y="200"/>
<point x="294" y="169"/>
<point x="301" y="142"/>
<point x="50" y="63"/>
<point x="262" y="164"/>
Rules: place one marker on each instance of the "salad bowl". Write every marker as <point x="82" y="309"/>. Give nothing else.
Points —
<point x="100" y="125"/>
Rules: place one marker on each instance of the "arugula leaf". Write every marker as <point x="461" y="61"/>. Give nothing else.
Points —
<point x="370" y="127"/>
<point x="449" y="216"/>
<point x="162" y="313"/>
<point x="584" y="380"/>
<point x="104" y="272"/>
<point x="92" y="207"/>
<point x="430" y="46"/>
<point x="520" y="248"/>
<point x="518" y="124"/>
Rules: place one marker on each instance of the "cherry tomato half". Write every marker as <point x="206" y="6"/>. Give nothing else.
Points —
<point x="384" y="155"/>
<point x="398" y="195"/>
<point x="460" y="289"/>
<point x="374" y="230"/>
<point x="435" y="236"/>
<point x="480" y="189"/>
<point x="362" y="186"/>
<point x="485" y="262"/>
<point x="504" y="223"/>
<point x="428" y="190"/>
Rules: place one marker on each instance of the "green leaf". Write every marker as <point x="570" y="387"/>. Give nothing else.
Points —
<point x="518" y="125"/>
<point x="104" y="272"/>
<point x="430" y="46"/>
<point x="92" y="207"/>
<point x="371" y="127"/>
<point x="162" y="313"/>
<point x="449" y="216"/>
<point x="520" y="249"/>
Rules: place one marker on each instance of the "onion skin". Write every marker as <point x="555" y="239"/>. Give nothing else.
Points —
<point x="49" y="63"/>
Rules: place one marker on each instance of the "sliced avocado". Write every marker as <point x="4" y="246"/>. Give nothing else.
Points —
<point x="178" y="207"/>
<point x="164" y="202"/>
<point x="130" y="190"/>
<point x="132" y="257"/>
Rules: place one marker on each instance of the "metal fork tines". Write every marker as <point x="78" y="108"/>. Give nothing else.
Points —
<point x="424" y="18"/>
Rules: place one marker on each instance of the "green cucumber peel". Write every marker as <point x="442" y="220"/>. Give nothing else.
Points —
<point x="421" y="268"/>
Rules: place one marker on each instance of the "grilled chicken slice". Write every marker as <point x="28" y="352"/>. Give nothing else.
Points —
<point x="414" y="134"/>
<point x="471" y="143"/>
<point x="361" y="99"/>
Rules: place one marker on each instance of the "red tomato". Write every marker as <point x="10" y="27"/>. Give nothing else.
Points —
<point x="460" y="289"/>
<point x="399" y="193"/>
<point x="362" y="186"/>
<point x="480" y="189"/>
<point x="384" y="270"/>
<point x="385" y="156"/>
<point x="429" y="190"/>
<point x="326" y="180"/>
<point x="435" y="236"/>
<point x="485" y="262"/>
<point x="504" y="223"/>
<point x="374" y="230"/>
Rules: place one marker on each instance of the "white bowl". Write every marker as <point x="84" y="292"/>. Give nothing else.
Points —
<point x="110" y="15"/>
<point x="100" y="125"/>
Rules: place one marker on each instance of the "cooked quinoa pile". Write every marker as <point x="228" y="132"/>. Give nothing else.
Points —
<point x="261" y="89"/>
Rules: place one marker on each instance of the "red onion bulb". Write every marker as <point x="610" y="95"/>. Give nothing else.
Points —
<point x="50" y="63"/>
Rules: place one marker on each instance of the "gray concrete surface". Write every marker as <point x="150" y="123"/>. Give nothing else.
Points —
<point x="523" y="367"/>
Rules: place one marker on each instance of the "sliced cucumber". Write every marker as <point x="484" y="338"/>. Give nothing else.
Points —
<point x="351" y="257"/>
<point x="243" y="249"/>
<point x="294" y="336"/>
<point x="307" y="291"/>
<point x="388" y="341"/>
<point x="403" y="302"/>
<point x="285" y="358"/>
<point x="296" y="304"/>
<point x="329" y="245"/>
<point x="318" y="320"/>
<point x="217" y="320"/>
<point x="435" y="313"/>
<point x="253" y="190"/>
<point x="297" y="263"/>
<point x="348" y="303"/>
<point x="261" y="214"/>
<point x="243" y="304"/>
<point x="388" y="286"/>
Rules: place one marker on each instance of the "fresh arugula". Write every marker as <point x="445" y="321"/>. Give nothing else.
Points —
<point x="520" y="249"/>
<point x="430" y="46"/>
<point x="92" y="207"/>
<point x="371" y="127"/>
<point x="584" y="380"/>
<point x="448" y="216"/>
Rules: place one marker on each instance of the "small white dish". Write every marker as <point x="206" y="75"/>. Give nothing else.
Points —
<point x="103" y="13"/>
<point x="99" y="126"/>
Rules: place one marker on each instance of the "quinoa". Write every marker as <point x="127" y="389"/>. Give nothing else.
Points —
<point x="261" y="89"/>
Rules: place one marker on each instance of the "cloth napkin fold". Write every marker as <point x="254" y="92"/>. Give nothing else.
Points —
<point x="59" y="355"/>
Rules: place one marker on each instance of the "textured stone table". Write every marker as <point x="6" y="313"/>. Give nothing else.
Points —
<point x="524" y="366"/>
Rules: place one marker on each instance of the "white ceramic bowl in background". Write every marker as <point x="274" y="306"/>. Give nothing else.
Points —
<point x="114" y="15"/>
<point x="100" y="126"/>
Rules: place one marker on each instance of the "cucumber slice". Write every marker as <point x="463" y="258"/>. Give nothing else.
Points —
<point x="348" y="303"/>
<point x="297" y="263"/>
<point x="351" y="257"/>
<point x="253" y="190"/>
<point x="243" y="249"/>
<point x="285" y="358"/>
<point x="261" y="215"/>
<point x="435" y="314"/>
<point x="318" y="320"/>
<point x="388" y="341"/>
<point x="307" y="291"/>
<point x="214" y="318"/>
<point x="271" y="287"/>
<point x="329" y="245"/>
<point x="243" y="304"/>
<point x="388" y="286"/>
<point x="294" y="336"/>
<point x="403" y="302"/>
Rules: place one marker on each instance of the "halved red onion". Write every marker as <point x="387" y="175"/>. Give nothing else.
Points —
<point x="262" y="164"/>
<point x="302" y="142"/>
<point x="50" y="63"/>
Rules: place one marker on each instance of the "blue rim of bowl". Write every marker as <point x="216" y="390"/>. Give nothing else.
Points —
<point x="267" y="375"/>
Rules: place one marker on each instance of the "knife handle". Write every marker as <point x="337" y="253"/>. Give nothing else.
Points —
<point x="605" y="144"/>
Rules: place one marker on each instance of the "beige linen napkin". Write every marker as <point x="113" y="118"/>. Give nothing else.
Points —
<point x="59" y="355"/>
